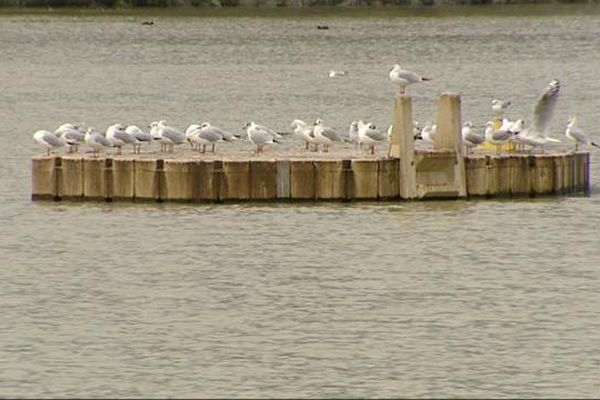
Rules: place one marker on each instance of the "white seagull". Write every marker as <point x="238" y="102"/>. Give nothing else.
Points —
<point x="71" y="134"/>
<point x="499" y="106"/>
<point x="470" y="138"/>
<point x="577" y="135"/>
<point x="168" y="136"/>
<point x="403" y="78"/>
<point x="303" y="131"/>
<point x="117" y="136"/>
<point x="370" y="135"/>
<point x="334" y="73"/>
<point x="207" y="134"/>
<point x="140" y="137"/>
<point x="325" y="135"/>
<point x="496" y="137"/>
<point x="96" y="140"/>
<point x="263" y="128"/>
<point x="48" y="140"/>
<point x="259" y="136"/>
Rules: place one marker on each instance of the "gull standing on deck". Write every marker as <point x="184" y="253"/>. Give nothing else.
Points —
<point x="353" y="134"/>
<point x="325" y="135"/>
<point x="303" y="131"/>
<point x="96" y="140"/>
<point x="259" y="136"/>
<point x="72" y="135"/>
<point x="207" y="134"/>
<point x="370" y="135"/>
<point x="577" y="135"/>
<point x="140" y="137"/>
<point x="470" y="138"/>
<point x="403" y="78"/>
<point x="496" y="137"/>
<point x="48" y="140"/>
<point x="428" y="133"/>
<point x="168" y="136"/>
<point x="117" y="136"/>
<point x="499" y="107"/>
<point x="263" y="129"/>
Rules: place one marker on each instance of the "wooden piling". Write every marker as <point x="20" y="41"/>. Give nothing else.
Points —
<point x="329" y="182"/>
<point x="235" y="182"/>
<point x="263" y="180"/>
<point x="44" y="178"/>
<point x="302" y="180"/>
<point x="121" y="181"/>
<point x="179" y="180"/>
<point x="365" y="179"/>
<point x="71" y="178"/>
<point x="388" y="179"/>
<point x="94" y="179"/>
<point x="147" y="177"/>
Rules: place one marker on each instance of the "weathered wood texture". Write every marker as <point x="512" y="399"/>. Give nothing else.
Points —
<point x="192" y="180"/>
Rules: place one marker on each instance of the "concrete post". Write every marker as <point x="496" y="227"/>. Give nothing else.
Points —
<point x="402" y="145"/>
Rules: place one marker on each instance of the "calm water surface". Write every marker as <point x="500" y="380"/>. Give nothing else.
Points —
<point x="425" y="299"/>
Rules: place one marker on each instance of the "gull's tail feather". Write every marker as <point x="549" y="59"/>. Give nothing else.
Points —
<point x="594" y="144"/>
<point x="425" y="79"/>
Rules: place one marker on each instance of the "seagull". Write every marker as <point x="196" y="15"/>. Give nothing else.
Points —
<point x="527" y="138"/>
<point x="428" y="132"/>
<point x="96" y="140"/>
<point x="369" y="134"/>
<point x="577" y="135"/>
<point x="334" y="73"/>
<point x="496" y="137"/>
<point x="303" y="131"/>
<point x="499" y="106"/>
<point x="544" y="109"/>
<point x="325" y="135"/>
<point x="71" y="134"/>
<point x="117" y="136"/>
<point x="259" y="136"/>
<point x="168" y="136"/>
<point x="48" y="140"/>
<point x="208" y="134"/>
<point x="264" y="129"/>
<point x="140" y="137"/>
<point x="353" y="134"/>
<point x="188" y="133"/>
<point x="404" y="78"/>
<point x="470" y="138"/>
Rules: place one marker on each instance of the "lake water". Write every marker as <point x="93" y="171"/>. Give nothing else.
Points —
<point x="487" y="298"/>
